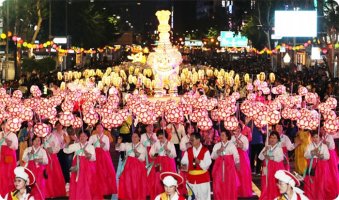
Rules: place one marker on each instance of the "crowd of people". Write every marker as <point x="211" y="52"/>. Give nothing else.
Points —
<point x="172" y="160"/>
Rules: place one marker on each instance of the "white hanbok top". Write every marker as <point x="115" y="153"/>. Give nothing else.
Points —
<point x="9" y="136"/>
<point x="230" y="149"/>
<point x="39" y="153"/>
<point x="79" y="149"/>
<point x="275" y="153"/>
<point x="243" y="140"/>
<point x="322" y="149"/>
<point x="95" y="141"/>
<point x="147" y="140"/>
<point x="60" y="137"/>
<point x="52" y="142"/>
<point x="329" y="141"/>
<point x="129" y="148"/>
<point x="159" y="148"/>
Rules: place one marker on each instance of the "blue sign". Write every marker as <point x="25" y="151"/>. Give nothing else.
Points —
<point x="229" y="39"/>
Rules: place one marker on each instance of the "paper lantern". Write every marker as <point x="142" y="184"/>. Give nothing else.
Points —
<point x="124" y="113"/>
<point x="285" y="113"/>
<point x="214" y="115"/>
<point x="281" y="89"/>
<point x="260" y="120"/>
<point x="77" y="123"/>
<point x="249" y="87"/>
<point x="294" y="114"/>
<point x="3" y="115"/>
<point x="3" y="92"/>
<point x="15" y="110"/>
<point x="91" y="117"/>
<point x="205" y="124"/>
<point x="53" y="120"/>
<point x="17" y="94"/>
<point x="331" y="126"/>
<point x="67" y="106"/>
<point x="266" y="90"/>
<point x="302" y="91"/>
<point x="14" y="124"/>
<point x="331" y="103"/>
<point x="102" y="99"/>
<point x="26" y="114"/>
<point x="198" y="114"/>
<point x="236" y="95"/>
<point x="41" y="129"/>
<point x="274" y="90"/>
<point x="117" y="120"/>
<point x="311" y="98"/>
<point x="329" y="114"/>
<point x="273" y="117"/>
<point x="66" y="118"/>
<point x="251" y="96"/>
<point x="231" y="123"/>
<point x="322" y="107"/>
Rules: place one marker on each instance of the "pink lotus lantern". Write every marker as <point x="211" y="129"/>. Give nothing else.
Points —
<point x="102" y="99"/>
<point x="302" y="91"/>
<point x="329" y="114"/>
<point x="14" y="124"/>
<point x="124" y="113"/>
<point x="53" y="120"/>
<point x="231" y="123"/>
<point x="3" y="115"/>
<point x="205" y="124"/>
<point x="256" y="83"/>
<point x="236" y="95"/>
<point x="91" y="117"/>
<point x="15" y="110"/>
<point x="260" y="120"/>
<point x="67" y="106"/>
<point x="245" y="107"/>
<point x="3" y="92"/>
<point x="251" y="96"/>
<point x="294" y="114"/>
<point x="17" y="94"/>
<point x="274" y="90"/>
<point x="285" y="113"/>
<point x="274" y="105"/>
<point x="113" y="91"/>
<point x="303" y="123"/>
<point x="198" y="114"/>
<point x="211" y="104"/>
<point x="331" y="103"/>
<point x="331" y="126"/>
<point x="41" y="129"/>
<point x="281" y="89"/>
<point x="187" y="109"/>
<point x="249" y="87"/>
<point x="66" y="118"/>
<point x="117" y="120"/>
<point x="266" y="90"/>
<point x="27" y="114"/>
<point x="77" y="123"/>
<point x="311" y="98"/>
<point x="273" y="117"/>
<point x="322" y="107"/>
<point x="214" y="115"/>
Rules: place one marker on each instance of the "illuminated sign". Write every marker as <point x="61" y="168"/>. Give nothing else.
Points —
<point x="229" y="39"/>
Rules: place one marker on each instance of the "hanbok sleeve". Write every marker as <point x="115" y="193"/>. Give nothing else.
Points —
<point x="206" y="162"/>
<point x="91" y="150"/>
<point x="143" y="152"/>
<point x="120" y="147"/>
<point x="307" y="153"/>
<point x="261" y="155"/>
<point x="214" y="151"/>
<point x="14" y="139"/>
<point x="171" y="147"/>
<point x="184" y="159"/>
<point x="106" y="140"/>
<point x="244" y="143"/>
<point x="25" y="156"/>
<point x="235" y="154"/>
<point x="325" y="152"/>
<point x="71" y="148"/>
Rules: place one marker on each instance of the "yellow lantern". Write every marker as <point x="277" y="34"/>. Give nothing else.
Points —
<point x="62" y="86"/>
<point x="59" y="76"/>
<point x="3" y="36"/>
<point x="272" y="77"/>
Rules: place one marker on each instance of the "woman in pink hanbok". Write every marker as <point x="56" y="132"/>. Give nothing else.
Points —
<point x="224" y="173"/>
<point x="317" y="172"/>
<point x="84" y="183"/>
<point x="163" y="153"/>
<point x="244" y="171"/>
<point x="133" y="179"/>
<point x="106" y="175"/>
<point x="8" y="147"/>
<point x="36" y="160"/>
<point x="55" y="183"/>
<point x="332" y="189"/>
<point x="272" y="156"/>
